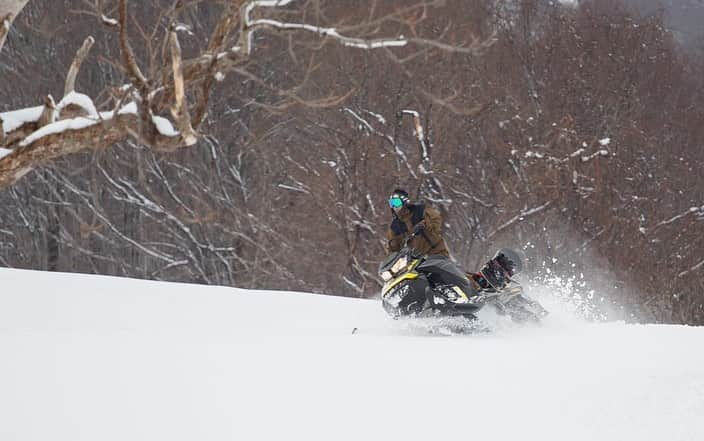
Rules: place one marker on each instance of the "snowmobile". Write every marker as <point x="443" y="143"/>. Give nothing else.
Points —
<point x="418" y="285"/>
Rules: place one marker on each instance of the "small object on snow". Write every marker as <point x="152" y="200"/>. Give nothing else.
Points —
<point x="354" y="331"/>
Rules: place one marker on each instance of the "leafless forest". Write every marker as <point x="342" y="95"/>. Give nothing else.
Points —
<point x="573" y="132"/>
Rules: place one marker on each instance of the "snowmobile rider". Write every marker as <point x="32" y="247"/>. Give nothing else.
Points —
<point x="425" y="223"/>
<point x="419" y="219"/>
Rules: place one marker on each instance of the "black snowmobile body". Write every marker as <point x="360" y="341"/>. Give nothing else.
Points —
<point x="417" y="285"/>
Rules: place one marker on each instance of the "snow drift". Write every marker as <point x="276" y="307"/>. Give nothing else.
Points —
<point x="100" y="358"/>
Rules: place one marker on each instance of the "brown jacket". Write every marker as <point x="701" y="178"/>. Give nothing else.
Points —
<point x="402" y="226"/>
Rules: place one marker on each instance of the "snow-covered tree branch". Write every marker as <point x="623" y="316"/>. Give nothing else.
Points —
<point x="34" y="136"/>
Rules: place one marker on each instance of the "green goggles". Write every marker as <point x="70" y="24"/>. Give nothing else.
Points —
<point x="395" y="202"/>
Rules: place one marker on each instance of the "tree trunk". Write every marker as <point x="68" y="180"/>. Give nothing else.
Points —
<point x="52" y="240"/>
<point x="52" y="225"/>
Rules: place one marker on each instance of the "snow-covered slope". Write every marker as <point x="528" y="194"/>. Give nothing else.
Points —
<point x="98" y="358"/>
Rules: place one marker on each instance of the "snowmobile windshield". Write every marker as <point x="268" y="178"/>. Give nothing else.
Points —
<point x="390" y="261"/>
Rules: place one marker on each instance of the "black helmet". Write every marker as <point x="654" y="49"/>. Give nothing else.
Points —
<point x="399" y="198"/>
<point x="509" y="260"/>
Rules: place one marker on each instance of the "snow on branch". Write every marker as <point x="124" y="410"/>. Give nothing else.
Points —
<point x="292" y="188"/>
<point x="692" y="269"/>
<point x="108" y="21"/>
<point x="696" y="211"/>
<point x="602" y="152"/>
<point x="165" y="128"/>
<point x="395" y="149"/>
<point x="473" y="198"/>
<point x="549" y="158"/>
<point x="72" y="135"/>
<point x="84" y="102"/>
<point x="15" y="119"/>
<point x="359" y="43"/>
<point x="59" y="127"/>
<point x="419" y="132"/>
<point x="519" y="217"/>
<point x="163" y="125"/>
<point x="250" y="25"/>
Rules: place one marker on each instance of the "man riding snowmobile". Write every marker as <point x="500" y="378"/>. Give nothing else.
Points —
<point x="423" y="224"/>
<point x="420" y="277"/>
<point x="420" y="220"/>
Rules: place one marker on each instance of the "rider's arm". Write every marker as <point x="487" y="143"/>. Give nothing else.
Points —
<point x="395" y="236"/>
<point x="393" y="243"/>
<point x="433" y="223"/>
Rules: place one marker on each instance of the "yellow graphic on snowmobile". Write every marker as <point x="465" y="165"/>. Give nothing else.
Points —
<point x="407" y="275"/>
<point x="461" y="293"/>
<point x="389" y="286"/>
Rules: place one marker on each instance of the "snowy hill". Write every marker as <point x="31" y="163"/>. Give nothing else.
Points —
<point x="99" y="358"/>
